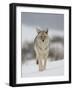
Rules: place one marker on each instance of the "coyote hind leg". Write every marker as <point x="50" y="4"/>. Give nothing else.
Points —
<point x="37" y="61"/>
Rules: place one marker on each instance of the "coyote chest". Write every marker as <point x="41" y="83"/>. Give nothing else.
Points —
<point x="42" y="48"/>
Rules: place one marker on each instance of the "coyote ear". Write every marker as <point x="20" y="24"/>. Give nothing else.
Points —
<point x="46" y="30"/>
<point x="38" y="30"/>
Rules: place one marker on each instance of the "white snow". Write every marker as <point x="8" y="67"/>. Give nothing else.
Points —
<point x="53" y="68"/>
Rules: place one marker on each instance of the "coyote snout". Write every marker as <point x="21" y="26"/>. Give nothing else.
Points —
<point x="41" y="47"/>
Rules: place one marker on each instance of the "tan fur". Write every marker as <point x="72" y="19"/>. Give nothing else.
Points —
<point x="41" y="47"/>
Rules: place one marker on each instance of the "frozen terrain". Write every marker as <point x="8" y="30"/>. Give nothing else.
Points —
<point x="54" y="68"/>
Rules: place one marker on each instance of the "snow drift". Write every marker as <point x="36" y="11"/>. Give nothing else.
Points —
<point x="54" y="68"/>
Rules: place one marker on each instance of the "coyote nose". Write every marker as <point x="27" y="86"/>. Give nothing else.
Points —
<point x="43" y="40"/>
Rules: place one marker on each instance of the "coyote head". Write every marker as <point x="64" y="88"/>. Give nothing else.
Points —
<point x="42" y="34"/>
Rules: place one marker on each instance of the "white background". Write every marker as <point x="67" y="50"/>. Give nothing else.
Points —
<point x="4" y="44"/>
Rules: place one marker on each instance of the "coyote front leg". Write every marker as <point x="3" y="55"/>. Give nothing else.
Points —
<point x="40" y="65"/>
<point x="45" y="62"/>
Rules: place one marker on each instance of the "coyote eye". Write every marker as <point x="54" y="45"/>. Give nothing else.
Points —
<point x="41" y="37"/>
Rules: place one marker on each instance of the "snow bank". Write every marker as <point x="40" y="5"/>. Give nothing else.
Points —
<point x="54" y="68"/>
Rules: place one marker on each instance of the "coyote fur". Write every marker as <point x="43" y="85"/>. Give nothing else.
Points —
<point x="41" y="48"/>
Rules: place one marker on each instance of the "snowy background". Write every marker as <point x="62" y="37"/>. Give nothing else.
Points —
<point x="55" y="25"/>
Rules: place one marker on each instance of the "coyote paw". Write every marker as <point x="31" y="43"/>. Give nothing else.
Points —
<point x="41" y="69"/>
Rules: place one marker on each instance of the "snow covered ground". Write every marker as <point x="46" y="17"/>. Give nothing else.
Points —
<point x="54" y="68"/>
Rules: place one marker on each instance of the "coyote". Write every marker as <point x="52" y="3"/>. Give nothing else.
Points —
<point x="41" y="48"/>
